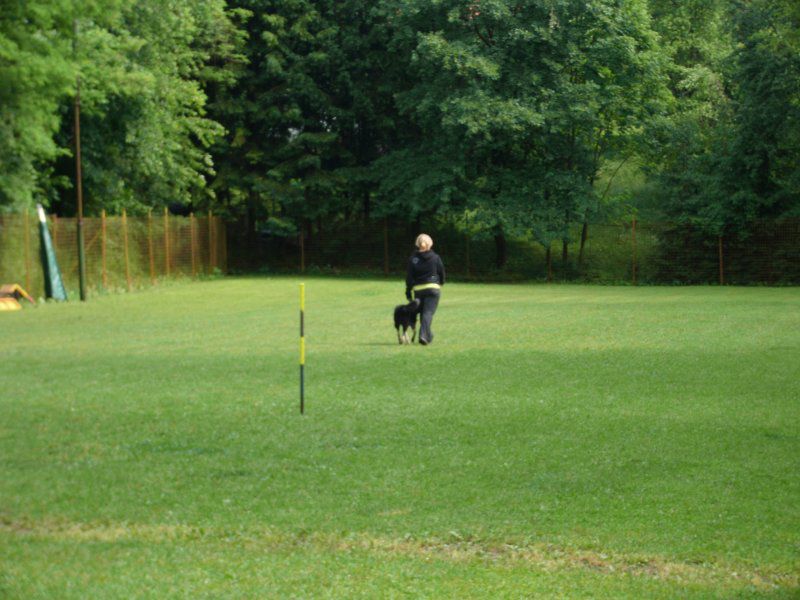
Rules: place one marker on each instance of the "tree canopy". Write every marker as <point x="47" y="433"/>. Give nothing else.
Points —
<point x="498" y="114"/>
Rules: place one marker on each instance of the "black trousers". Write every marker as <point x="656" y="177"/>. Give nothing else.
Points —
<point x="429" y="302"/>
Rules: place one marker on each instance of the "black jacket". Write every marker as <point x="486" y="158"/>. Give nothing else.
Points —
<point x="424" y="267"/>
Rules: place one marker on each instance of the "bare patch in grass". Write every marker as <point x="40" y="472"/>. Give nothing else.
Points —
<point x="545" y="557"/>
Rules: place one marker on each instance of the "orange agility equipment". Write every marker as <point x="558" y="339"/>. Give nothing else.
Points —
<point x="10" y="294"/>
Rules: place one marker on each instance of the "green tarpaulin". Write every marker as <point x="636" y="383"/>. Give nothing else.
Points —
<point x="53" y="284"/>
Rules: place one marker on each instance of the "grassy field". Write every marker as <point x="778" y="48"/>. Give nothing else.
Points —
<point x="554" y="441"/>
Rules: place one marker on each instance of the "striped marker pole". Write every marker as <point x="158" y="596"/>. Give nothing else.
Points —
<point x="302" y="347"/>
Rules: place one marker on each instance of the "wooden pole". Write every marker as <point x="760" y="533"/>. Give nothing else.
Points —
<point x="26" y="225"/>
<point x="633" y="240"/>
<point x="150" y="247"/>
<point x="125" y="243"/>
<point x="78" y="174"/>
<point x="166" y="241"/>
<point x="191" y="244"/>
<point x="721" y="261"/>
<point x="103" y="249"/>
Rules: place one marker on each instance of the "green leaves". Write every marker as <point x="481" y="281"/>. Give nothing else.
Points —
<point x="506" y="111"/>
<point x="143" y="68"/>
<point x="729" y="154"/>
<point x="35" y="74"/>
<point x="530" y="98"/>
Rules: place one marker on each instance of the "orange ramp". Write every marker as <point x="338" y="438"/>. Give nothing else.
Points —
<point x="10" y="295"/>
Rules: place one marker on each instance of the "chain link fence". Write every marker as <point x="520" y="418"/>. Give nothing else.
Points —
<point x="122" y="252"/>
<point x="623" y="252"/>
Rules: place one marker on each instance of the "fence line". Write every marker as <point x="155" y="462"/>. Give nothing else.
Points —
<point x="122" y="252"/>
<point x="129" y="252"/>
<point x="622" y="252"/>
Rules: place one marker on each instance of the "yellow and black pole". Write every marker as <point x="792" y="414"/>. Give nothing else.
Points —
<point x="302" y="346"/>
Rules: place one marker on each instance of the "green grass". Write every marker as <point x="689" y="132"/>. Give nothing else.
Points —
<point x="554" y="441"/>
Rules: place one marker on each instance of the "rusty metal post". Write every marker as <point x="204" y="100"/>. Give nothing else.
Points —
<point x="127" y="255"/>
<point x="166" y="241"/>
<point x="721" y="261"/>
<point x="224" y="247"/>
<point x="633" y="240"/>
<point x="150" y="247"/>
<point x="386" y="246"/>
<point x="26" y="225"/>
<point x="191" y="244"/>
<point x="103" y="248"/>
<point x="302" y="252"/>
<point x="469" y="273"/>
<point x="212" y="258"/>
<point x="79" y="178"/>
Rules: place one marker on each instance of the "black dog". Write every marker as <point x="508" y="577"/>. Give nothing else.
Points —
<point x="405" y="318"/>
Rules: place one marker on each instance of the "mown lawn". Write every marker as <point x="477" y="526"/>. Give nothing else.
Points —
<point x="554" y="441"/>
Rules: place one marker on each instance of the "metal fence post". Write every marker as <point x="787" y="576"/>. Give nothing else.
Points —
<point x="150" y="256"/>
<point x="385" y="246"/>
<point x="26" y="225"/>
<point x="211" y="249"/>
<point x="103" y="268"/>
<point x="125" y="243"/>
<point x="224" y="246"/>
<point x="633" y="240"/>
<point x="191" y="244"/>
<point x="166" y="241"/>
<point x="302" y="252"/>
<point x="466" y="252"/>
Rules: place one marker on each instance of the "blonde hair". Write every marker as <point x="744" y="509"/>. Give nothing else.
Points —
<point x="423" y="242"/>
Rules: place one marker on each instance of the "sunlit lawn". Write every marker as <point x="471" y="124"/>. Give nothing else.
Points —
<point x="562" y="441"/>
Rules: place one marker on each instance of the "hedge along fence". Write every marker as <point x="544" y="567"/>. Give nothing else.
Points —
<point x="122" y="252"/>
<point x="622" y="252"/>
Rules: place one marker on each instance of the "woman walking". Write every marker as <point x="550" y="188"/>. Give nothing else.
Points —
<point x="425" y="278"/>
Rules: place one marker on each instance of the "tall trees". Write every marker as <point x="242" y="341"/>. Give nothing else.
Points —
<point x="35" y="75"/>
<point x="765" y="84"/>
<point x="142" y="66"/>
<point x="515" y="105"/>
<point x="499" y="111"/>
<point x="311" y="113"/>
<point x="729" y="155"/>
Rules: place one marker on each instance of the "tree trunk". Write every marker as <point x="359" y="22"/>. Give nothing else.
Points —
<point x="366" y="205"/>
<point x="308" y="238"/>
<point x="584" y="237"/>
<point x="253" y="252"/>
<point x="549" y="258"/>
<point x="501" y="249"/>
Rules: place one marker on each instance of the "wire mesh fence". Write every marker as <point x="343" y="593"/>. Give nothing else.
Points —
<point x="621" y="252"/>
<point x="122" y="252"/>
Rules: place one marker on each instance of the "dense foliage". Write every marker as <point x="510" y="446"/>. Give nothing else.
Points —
<point x="503" y="116"/>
